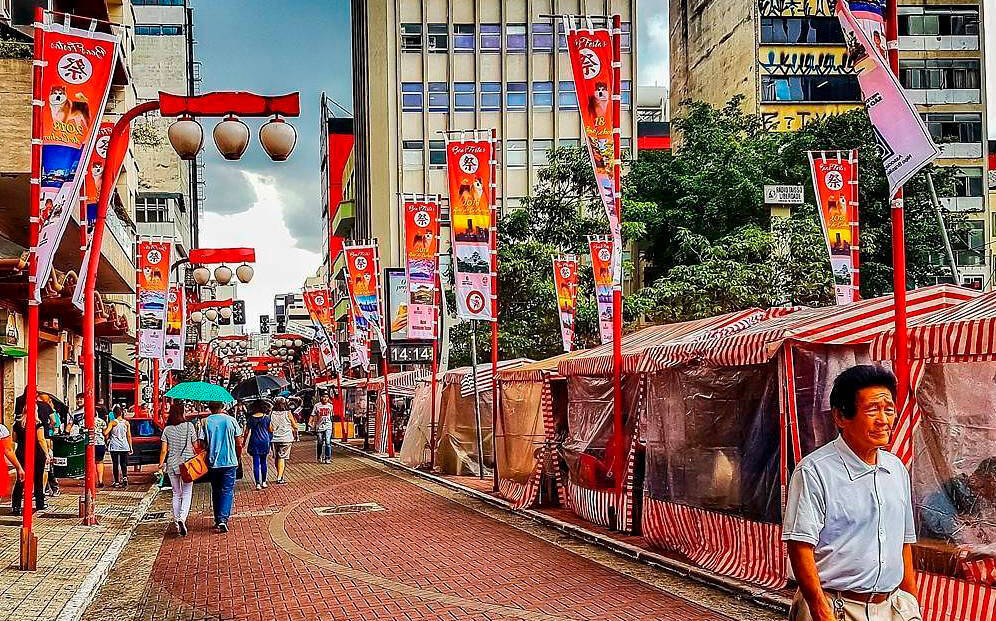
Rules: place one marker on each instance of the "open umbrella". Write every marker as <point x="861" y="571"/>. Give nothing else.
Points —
<point x="200" y="391"/>
<point x="258" y="386"/>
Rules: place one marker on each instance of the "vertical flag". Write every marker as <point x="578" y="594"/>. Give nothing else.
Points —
<point x="151" y="286"/>
<point x="565" y="280"/>
<point x="176" y="329"/>
<point x="75" y="82"/>
<point x="359" y="354"/>
<point x="362" y="270"/>
<point x="318" y="301"/>
<point x="421" y="265"/>
<point x="471" y="221"/>
<point x="590" y="51"/>
<point x="92" y="189"/>
<point x="835" y="185"/>
<point x="870" y="16"/>
<point x="601" y="267"/>
<point x="903" y="140"/>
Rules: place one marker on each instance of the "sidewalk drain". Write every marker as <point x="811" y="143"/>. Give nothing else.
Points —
<point x="154" y="516"/>
<point x="364" y="507"/>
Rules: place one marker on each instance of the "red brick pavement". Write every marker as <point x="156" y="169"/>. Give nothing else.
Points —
<point x="422" y="557"/>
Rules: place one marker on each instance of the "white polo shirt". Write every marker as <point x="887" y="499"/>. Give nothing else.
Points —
<point x="856" y="516"/>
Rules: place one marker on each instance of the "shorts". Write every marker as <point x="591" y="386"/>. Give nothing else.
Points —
<point x="281" y="450"/>
<point x="98" y="452"/>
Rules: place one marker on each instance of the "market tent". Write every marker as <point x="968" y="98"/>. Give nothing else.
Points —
<point x="727" y="415"/>
<point x="533" y="399"/>
<point x="400" y="384"/>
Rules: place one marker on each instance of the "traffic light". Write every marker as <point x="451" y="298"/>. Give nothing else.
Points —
<point x="264" y="324"/>
<point x="239" y="312"/>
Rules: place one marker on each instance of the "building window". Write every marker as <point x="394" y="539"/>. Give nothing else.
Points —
<point x="437" y="38"/>
<point x="543" y="95"/>
<point x="541" y="151"/>
<point x="515" y="153"/>
<point x="157" y="2"/>
<point x="567" y="97"/>
<point x="542" y="37"/>
<point x="943" y="22"/>
<point x="152" y="209"/>
<point x="561" y="36"/>
<point x="514" y="202"/>
<point x="491" y="38"/>
<point x="437" y="154"/>
<point x="810" y="88"/>
<point x="625" y="148"/>
<point x="411" y="96"/>
<point x="463" y="37"/>
<point x="801" y="30"/>
<point x="411" y="154"/>
<point x="515" y="41"/>
<point x="464" y="97"/>
<point x="158" y="30"/>
<point x="626" y="93"/>
<point x="939" y="73"/>
<point x="625" y="38"/>
<point x="969" y="244"/>
<point x="964" y="128"/>
<point x="569" y="143"/>
<point x="490" y="96"/>
<point x="515" y="98"/>
<point x="411" y="38"/>
<point x="439" y="97"/>
<point x="968" y="182"/>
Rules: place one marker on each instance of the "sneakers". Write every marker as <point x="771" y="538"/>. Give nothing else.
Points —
<point x="281" y="481"/>
<point x="115" y="484"/>
<point x="124" y="483"/>
<point x="264" y="484"/>
<point x="222" y="528"/>
<point x="258" y="486"/>
<point x="182" y="528"/>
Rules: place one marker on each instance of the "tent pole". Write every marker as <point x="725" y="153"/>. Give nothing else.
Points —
<point x="477" y="398"/>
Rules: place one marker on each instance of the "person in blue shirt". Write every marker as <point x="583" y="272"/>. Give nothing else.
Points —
<point x="959" y="500"/>
<point x="221" y="437"/>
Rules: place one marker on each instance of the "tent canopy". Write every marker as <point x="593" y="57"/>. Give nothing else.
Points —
<point x="534" y="371"/>
<point x="465" y="375"/>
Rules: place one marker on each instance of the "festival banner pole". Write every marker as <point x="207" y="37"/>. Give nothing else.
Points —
<point x="477" y="398"/>
<point x="617" y="252"/>
<point x="383" y="355"/>
<point x="494" y="311"/>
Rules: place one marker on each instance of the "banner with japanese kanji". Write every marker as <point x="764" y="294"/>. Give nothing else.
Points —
<point x="152" y="281"/>
<point x="318" y="301"/>
<point x="471" y="218"/>
<point x="421" y="266"/>
<point x="591" y="57"/>
<point x="565" y="280"/>
<point x="176" y="329"/>
<point x="76" y="78"/>
<point x="835" y="186"/>
<point x="601" y="267"/>
<point x="362" y="269"/>
<point x="91" y="190"/>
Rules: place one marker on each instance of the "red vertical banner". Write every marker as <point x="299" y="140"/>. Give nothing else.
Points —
<point x="318" y="301"/>
<point x="590" y="50"/>
<point x="421" y="265"/>
<point x="175" y="329"/>
<point x="93" y="178"/>
<point x="835" y="185"/>
<point x="601" y="267"/>
<point x="471" y="221"/>
<point x="152" y="282"/>
<point x="565" y="280"/>
<point x="363" y="282"/>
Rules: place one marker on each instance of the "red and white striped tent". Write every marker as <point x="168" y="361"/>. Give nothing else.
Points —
<point x="799" y="354"/>
<point x="952" y="366"/>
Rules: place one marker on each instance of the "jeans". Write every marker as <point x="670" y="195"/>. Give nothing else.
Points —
<point x="119" y="459"/>
<point x="259" y="468"/>
<point x="17" y="494"/>
<point x="182" y="491"/>
<point x="222" y="492"/>
<point x="325" y="443"/>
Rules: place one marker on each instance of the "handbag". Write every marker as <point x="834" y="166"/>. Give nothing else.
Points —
<point x="195" y="467"/>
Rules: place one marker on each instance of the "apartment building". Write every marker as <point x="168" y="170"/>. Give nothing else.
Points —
<point x="60" y="367"/>
<point x="788" y="61"/>
<point x="422" y="67"/>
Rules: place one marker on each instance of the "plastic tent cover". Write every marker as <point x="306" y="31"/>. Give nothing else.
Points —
<point x="521" y="432"/>
<point x="589" y="447"/>
<point x="456" y="451"/>
<point x="415" y="447"/>
<point x="712" y="440"/>
<point x="955" y="504"/>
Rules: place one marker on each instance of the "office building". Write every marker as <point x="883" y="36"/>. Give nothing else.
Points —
<point x="788" y="61"/>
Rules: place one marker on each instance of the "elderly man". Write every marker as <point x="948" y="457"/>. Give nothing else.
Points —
<point x="849" y="519"/>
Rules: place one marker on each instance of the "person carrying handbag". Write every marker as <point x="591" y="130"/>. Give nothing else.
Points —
<point x="178" y="441"/>
<point x="118" y="436"/>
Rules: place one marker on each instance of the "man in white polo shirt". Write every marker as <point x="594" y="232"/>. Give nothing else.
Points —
<point x="849" y="519"/>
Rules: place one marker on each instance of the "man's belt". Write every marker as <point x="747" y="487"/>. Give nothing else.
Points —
<point x="864" y="598"/>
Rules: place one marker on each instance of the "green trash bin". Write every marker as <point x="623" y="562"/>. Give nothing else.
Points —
<point x="69" y="456"/>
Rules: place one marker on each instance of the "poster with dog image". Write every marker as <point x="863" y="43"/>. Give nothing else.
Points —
<point x="601" y="267"/>
<point x="152" y="282"/>
<point x="421" y="266"/>
<point x="469" y="168"/>
<point x="565" y="281"/>
<point x="91" y="190"/>
<point x="76" y="78"/>
<point x="362" y="269"/>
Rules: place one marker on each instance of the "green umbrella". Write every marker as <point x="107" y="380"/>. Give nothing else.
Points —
<point x="200" y="391"/>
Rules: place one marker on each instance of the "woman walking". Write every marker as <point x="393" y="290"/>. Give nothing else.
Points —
<point x="323" y="419"/>
<point x="99" y="445"/>
<point x="179" y="437"/>
<point x="285" y="431"/>
<point x="118" y="435"/>
<point x="257" y="439"/>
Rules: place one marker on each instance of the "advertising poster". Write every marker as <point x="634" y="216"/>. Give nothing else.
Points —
<point x="565" y="281"/>
<point x="318" y="301"/>
<point x="591" y="60"/>
<point x="361" y="269"/>
<point x="904" y="143"/>
<point x="421" y="267"/>
<point x="870" y="15"/>
<point x="91" y="189"/>
<point x="601" y="266"/>
<point x="75" y="82"/>
<point x="397" y="305"/>
<point x="175" y="329"/>
<point x="469" y="166"/>
<point x="151" y="288"/>
<point x="835" y="186"/>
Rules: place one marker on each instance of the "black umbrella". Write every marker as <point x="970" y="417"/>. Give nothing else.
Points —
<point x="258" y="387"/>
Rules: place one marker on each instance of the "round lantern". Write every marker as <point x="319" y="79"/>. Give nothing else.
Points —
<point x="202" y="275"/>
<point x="278" y="139"/>
<point x="186" y="136"/>
<point x="231" y="136"/>
<point x="244" y="273"/>
<point x="223" y="274"/>
<point x="211" y="314"/>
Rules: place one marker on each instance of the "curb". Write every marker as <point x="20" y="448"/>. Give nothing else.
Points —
<point x="86" y="593"/>
<point x="731" y="586"/>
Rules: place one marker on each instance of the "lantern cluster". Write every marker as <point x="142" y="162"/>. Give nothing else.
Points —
<point x="231" y="136"/>
<point x="286" y="349"/>
<point x="223" y="274"/>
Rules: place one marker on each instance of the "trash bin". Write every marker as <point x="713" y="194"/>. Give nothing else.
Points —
<point x="69" y="456"/>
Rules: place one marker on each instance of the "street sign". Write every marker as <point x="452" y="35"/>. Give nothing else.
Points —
<point x="409" y="353"/>
<point x="783" y="195"/>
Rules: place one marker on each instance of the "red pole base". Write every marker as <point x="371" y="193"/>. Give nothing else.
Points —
<point x="29" y="548"/>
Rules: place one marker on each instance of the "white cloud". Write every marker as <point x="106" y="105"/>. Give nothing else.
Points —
<point x="280" y="266"/>
<point x="652" y="41"/>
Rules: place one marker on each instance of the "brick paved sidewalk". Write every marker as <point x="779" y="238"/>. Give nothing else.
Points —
<point x="72" y="559"/>
<point x="355" y="540"/>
